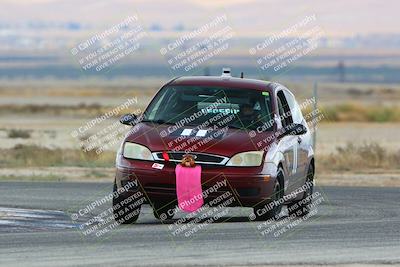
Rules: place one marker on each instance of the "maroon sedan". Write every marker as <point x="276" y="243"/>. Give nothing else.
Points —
<point x="249" y="136"/>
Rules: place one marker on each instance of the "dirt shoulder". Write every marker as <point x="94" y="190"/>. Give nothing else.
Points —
<point x="73" y="174"/>
<point x="378" y="178"/>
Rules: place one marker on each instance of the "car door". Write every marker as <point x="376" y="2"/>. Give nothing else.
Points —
<point x="287" y="144"/>
<point x="302" y="140"/>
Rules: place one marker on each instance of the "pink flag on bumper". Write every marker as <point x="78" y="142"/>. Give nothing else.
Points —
<point x="188" y="188"/>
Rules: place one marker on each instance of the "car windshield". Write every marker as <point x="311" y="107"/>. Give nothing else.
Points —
<point x="211" y="106"/>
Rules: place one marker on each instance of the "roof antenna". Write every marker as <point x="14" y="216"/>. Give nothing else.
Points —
<point x="241" y="75"/>
<point x="226" y="72"/>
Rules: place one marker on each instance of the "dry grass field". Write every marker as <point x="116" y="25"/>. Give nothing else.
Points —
<point x="358" y="136"/>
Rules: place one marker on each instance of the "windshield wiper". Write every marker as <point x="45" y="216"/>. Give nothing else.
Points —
<point x="234" y="127"/>
<point x="240" y="127"/>
<point x="158" y="121"/>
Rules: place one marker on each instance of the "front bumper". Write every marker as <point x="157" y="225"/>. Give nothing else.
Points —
<point x="249" y="186"/>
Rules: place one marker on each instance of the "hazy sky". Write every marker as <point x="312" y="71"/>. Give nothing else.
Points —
<point x="340" y="17"/>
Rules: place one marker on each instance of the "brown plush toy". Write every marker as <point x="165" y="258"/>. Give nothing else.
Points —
<point x="188" y="161"/>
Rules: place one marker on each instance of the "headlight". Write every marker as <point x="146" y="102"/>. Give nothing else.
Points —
<point x="135" y="151"/>
<point x="246" y="159"/>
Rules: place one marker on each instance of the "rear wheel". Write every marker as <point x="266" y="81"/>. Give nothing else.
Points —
<point x="272" y="209"/>
<point x="302" y="207"/>
<point x="126" y="209"/>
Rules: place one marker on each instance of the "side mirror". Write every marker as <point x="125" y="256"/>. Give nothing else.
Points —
<point x="128" y="119"/>
<point x="297" y="129"/>
<point x="293" y="129"/>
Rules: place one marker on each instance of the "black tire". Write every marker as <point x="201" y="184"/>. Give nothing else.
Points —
<point x="301" y="207"/>
<point x="271" y="209"/>
<point x="124" y="213"/>
<point x="163" y="212"/>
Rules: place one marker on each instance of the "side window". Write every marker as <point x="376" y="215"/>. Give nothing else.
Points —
<point x="284" y="110"/>
<point x="281" y="112"/>
<point x="294" y="107"/>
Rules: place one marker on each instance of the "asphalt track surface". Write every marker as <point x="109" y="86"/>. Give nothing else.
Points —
<point x="350" y="225"/>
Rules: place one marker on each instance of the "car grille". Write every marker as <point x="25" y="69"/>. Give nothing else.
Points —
<point x="200" y="158"/>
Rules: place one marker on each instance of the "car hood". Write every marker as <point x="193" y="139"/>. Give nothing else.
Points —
<point x="219" y="141"/>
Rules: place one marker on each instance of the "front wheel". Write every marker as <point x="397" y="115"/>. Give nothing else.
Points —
<point x="272" y="209"/>
<point x="126" y="210"/>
